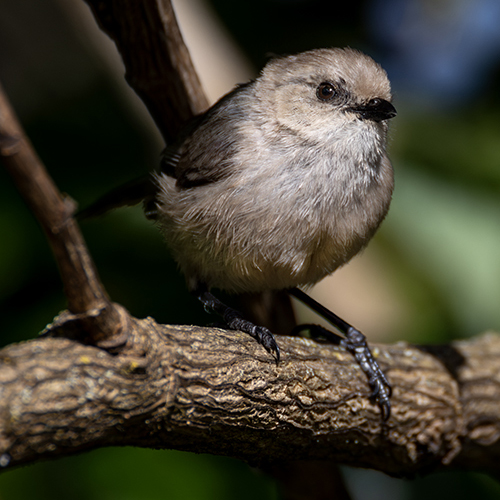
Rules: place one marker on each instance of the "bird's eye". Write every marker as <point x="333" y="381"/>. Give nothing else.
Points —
<point x="325" y="91"/>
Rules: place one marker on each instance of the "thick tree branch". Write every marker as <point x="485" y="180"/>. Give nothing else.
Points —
<point x="209" y="390"/>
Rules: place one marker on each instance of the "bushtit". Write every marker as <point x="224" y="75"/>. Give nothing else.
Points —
<point x="278" y="184"/>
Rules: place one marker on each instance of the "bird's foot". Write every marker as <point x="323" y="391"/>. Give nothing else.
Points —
<point x="235" y="321"/>
<point x="355" y="343"/>
<point x="260" y="333"/>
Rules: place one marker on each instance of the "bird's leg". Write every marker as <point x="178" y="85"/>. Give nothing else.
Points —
<point x="355" y="343"/>
<point x="235" y="321"/>
<point x="317" y="331"/>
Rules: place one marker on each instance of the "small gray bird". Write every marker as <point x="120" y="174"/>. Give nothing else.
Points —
<point x="278" y="184"/>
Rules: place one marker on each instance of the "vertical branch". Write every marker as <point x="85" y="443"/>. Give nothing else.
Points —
<point x="159" y="68"/>
<point x="157" y="62"/>
<point x="83" y="289"/>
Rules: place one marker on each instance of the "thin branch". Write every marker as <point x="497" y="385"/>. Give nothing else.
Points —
<point x="85" y="294"/>
<point x="216" y="391"/>
<point x="160" y="69"/>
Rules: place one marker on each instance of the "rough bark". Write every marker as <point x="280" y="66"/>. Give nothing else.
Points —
<point x="216" y="391"/>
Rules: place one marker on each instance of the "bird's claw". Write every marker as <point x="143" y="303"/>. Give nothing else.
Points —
<point x="355" y="343"/>
<point x="261" y="334"/>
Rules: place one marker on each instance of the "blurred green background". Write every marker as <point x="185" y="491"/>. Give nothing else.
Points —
<point x="436" y="257"/>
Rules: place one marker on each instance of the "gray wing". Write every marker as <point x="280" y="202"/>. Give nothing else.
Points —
<point x="204" y="153"/>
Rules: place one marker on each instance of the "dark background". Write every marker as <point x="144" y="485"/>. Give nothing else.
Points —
<point x="439" y="245"/>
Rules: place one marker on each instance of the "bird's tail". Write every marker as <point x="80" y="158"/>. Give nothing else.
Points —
<point x="126" y="195"/>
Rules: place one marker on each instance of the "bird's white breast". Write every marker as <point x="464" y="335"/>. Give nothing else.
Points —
<point x="284" y="218"/>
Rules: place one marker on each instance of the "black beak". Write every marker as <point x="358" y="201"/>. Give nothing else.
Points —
<point x="376" y="110"/>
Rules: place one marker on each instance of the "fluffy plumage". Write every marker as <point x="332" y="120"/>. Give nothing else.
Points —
<point x="279" y="183"/>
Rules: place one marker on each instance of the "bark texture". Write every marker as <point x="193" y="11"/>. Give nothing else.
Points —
<point x="216" y="391"/>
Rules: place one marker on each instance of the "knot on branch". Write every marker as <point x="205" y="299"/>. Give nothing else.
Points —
<point x="93" y="327"/>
